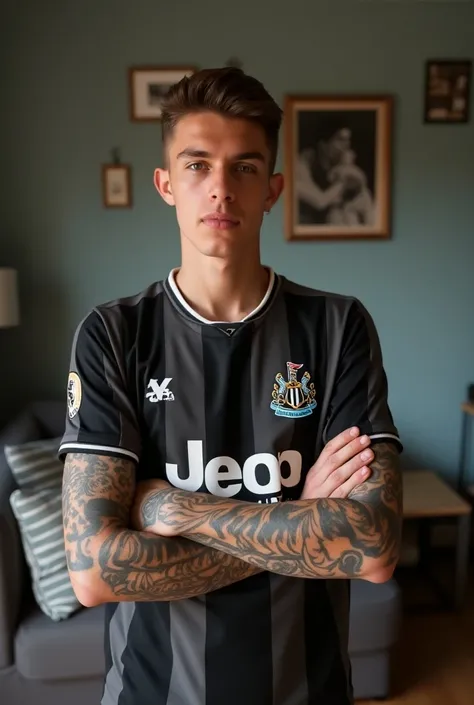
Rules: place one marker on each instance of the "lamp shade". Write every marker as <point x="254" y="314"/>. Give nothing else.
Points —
<point x="9" y="306"/>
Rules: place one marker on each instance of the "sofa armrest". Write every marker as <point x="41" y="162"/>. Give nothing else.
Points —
<point x="12" y="562"/>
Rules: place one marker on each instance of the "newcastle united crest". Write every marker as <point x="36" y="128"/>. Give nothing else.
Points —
<point x="292" y="397"/>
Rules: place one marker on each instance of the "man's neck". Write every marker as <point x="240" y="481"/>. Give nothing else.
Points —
<point x="223" y="291"/>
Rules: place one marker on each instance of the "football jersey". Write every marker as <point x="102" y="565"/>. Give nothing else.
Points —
<point x="240" y="410"/>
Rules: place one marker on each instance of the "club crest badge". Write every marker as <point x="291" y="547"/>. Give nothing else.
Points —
<point x="292" y="397"/>
<point x="74" y="394"/>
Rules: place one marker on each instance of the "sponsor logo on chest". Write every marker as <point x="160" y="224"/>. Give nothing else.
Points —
<point x="224" y="477"/>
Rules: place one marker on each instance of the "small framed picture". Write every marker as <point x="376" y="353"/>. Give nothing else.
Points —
<point x="148" y="85"/>
<point x="116" y="186"/>
<point x="447" y="91"/>
<point x="338" y="167"/>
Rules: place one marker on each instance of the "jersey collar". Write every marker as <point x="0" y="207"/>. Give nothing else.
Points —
<point x="176" y="294"/>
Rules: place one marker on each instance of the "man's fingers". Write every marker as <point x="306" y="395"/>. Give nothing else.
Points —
<point x="343" y="447"/>
<point x="351" y="450"/>
<point x="329" y="460"/>
<point x="339" y="441"/>
<point x="345" y="454"/>
<point x="344" y="472"/>
<point x="344" y="490"/>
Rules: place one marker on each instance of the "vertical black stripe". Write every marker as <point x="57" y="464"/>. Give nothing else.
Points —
<point x="289" y="655"/>
<point x="327" y="678"/>
<point x="238" y="649"/>
<point x="148" y="660"/>
<point x="228" y="400"/>
<point x="339" y="592"/>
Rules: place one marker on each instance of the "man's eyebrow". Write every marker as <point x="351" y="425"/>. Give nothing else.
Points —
<point x="194" y="153"/>
<point x="202" y="154"/>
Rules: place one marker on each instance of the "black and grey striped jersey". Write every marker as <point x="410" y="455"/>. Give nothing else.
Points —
<point x="239" y="410"/>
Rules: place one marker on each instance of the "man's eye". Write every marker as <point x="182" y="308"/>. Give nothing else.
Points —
<point x="246" y="168"/>
<point x="196" y="166"/>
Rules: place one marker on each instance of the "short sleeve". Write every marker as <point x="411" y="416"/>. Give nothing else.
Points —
<point x="100" y="417"/>
<point x="360" y="392"/>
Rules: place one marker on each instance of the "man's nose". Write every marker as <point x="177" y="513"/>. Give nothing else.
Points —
<point x="221" y="189"/>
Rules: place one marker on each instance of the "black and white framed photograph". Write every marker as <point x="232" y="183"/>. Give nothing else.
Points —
<point x="447" y="91"/>
<point x="337" y="167"/>
<point x="116" y="186"/>
<point x="148" y="85"/>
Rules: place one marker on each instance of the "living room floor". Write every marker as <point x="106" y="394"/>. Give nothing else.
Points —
<point x="433" y="662"/>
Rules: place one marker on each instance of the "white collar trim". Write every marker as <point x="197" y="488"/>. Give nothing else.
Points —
<point x="195" y="314"/>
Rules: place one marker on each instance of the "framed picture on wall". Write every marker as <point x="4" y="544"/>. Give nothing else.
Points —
<point x="447" y="91"/>
<point x="116" y="185"/>
<point x="337" y="167"/>
<point x="147" y="87"/>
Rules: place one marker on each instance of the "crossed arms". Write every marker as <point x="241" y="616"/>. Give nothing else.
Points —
<point x="172" y="544"/>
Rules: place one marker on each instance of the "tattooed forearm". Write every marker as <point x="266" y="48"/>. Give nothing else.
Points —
<point x="382" y="495"/>
<point x="140" y="567"/>
<point x="122" y="564"/>
<point x="323" y="538"/>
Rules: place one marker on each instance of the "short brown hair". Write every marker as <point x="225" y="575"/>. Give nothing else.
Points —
<point x="227" y="91"/>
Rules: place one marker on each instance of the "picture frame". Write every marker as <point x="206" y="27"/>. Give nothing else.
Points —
<point x="147" y="85"/>
<point x="447" y="91"/>
<point x="116" y="186"/>
<point x="338" y="152"/>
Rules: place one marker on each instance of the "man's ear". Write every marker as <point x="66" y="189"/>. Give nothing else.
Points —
<point x="161" y="179"/>
<point x="274" y="191"/>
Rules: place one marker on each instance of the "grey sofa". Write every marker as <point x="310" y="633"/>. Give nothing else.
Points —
<point x="51" y="663"/>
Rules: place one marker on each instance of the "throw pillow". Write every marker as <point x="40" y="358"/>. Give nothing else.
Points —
<point x="37" y="506"/>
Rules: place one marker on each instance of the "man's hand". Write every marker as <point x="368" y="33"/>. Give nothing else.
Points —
<point x="342" y="466"/>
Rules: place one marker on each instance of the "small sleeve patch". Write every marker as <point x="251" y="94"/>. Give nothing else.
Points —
<point x="74" y="394"/>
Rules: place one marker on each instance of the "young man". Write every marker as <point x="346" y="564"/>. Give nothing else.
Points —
<point x="217" y="495"/>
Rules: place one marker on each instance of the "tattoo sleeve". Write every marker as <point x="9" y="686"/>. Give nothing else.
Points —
<point x="357" y="537"/>
<point x="98" y="492"/>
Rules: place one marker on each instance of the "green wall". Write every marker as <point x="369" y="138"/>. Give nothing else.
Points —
<point x="63" y="73"/>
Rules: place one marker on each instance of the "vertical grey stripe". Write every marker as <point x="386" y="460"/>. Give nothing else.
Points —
<point x="270" y="353"/>
<point x="338" y="594"/>
<point x="188" y="643"/>
<point x="118" y="628"/>
<point x="185" y="415"/>
<point x="290" y="685"/>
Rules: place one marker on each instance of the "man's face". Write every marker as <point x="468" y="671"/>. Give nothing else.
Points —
<point x="219" y="181"/>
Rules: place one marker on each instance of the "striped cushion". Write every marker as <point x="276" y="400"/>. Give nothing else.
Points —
<point x="37" y="506"/>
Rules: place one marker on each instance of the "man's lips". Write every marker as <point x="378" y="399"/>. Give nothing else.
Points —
<point x="220" y="221"/>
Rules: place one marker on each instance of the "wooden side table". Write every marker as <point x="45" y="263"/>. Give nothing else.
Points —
<point x="427" y="499"/>
<point x="464" y="484"/>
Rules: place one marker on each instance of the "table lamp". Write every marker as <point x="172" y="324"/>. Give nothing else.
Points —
<point x="9" y="305"/>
